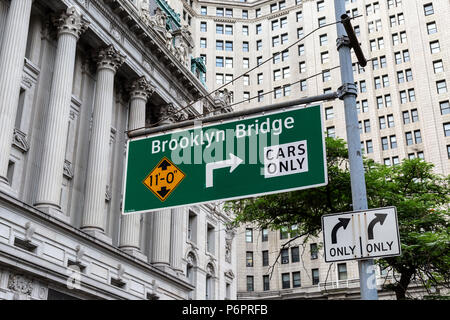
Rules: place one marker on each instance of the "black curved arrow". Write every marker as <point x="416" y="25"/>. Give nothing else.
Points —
<point x="379" y="217"/>
<point x="343" y="222"/>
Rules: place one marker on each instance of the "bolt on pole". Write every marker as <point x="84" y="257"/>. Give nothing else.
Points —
<point x="345" y="42"/>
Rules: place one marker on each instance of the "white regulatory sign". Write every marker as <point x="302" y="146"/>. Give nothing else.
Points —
<point x="361" y="234"/>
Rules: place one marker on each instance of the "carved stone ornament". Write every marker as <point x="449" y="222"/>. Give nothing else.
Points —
<point x="20" y="141"/>
<point x="72" y="22"/>
<point x="159" y="19"/>
<point x="68" y="170"/>
<point x="210" y="269"/>
<point x="191" y="260"/>
<point x="141" y="88"/>
<point x="175" y="115"/>
<point x="29" y="231"/>
<point x="20" y="284"/>
<point x="79" y="253"/>
<point x="229" y="274"/>
<point x="110" y="58"/>
<point x="108" y="194"/>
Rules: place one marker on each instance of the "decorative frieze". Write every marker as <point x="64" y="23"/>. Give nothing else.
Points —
<point x="20" y="285"/>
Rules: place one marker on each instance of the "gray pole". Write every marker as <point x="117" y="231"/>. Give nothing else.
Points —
<point x="367" y="276"/>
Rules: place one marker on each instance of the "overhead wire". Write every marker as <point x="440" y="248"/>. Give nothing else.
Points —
<point x="240" y="76"/>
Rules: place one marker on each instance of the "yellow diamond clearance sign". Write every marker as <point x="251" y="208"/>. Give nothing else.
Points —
<point x="163" y="179"/>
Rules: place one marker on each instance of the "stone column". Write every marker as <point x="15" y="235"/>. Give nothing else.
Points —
<point x="71" y="25"/>
<point x="94" y="219"/>
<point x="160" y="252"/>
<point x="176" y="238"/>
<point x="130" y="231"/>
<point x="12" y="55"/>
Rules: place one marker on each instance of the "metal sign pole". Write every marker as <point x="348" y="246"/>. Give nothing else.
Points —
<point x="349" y="93"/>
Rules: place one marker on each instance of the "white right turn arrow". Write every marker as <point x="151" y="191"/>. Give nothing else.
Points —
<point x="233" y="162"/>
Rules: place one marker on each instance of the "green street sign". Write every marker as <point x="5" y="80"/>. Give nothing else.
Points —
<point x="251" y="156"/>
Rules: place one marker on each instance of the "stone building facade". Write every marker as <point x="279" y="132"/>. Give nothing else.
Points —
<point x="403" y="92"/>
<point x="76" y="75"/>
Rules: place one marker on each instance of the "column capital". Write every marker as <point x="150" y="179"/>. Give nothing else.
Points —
<point x="109" y="58"/>
<point x="72" y="22"/>
<point x="141" y="88"/>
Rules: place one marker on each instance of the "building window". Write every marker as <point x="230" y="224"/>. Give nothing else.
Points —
<point x="324" y="57"/>
<point x="438" y="66"/>
<point x="303" y="85"/>
<point x="329" y="113"/>
<point x="323" y="39"/>
<point x="249" y="235"/>
<point x="431" y="28"/>
<point x="315" y="276"/>
<point x="249" y="259"/>
<point x="202" y="43"/>
<point x="417" y="136"/>
<point x="245" y="46"/>
<point x="296" y="280"/>
<point x="393" y="141"/>
<point x="266" y="283"/>
<point x="384" y="143"/>
<point x="301" y="50"/>
<point x="314" y="251"/>
<point x="245" y="30"/>
<point x="203" y="26"/>
<point x="228" y="46"/>
<point x="369" y="146"/>
<point x="428" y="9"/>
<point x="331" y="132"/>
<point x="447" y="129"/>
<point x="441" y="86"/>
<point x="210" y="239"/>
<point x="409" y="138"/>
<point x="435" y="47"/>
<point x="265" y="235"/>
<point x="445" y="107"/>
<point x="192" y="227"/>
<point x="265" y="258"/>
<point x="259" y="78"/>
<point x="284" y="256"/>
<point x="250" y="284"/>
<point x="244" y="14"/>
<point x="285" y="281"/>
<point x="229" y="30"/>
<point x="258" y="28"/>
<point x="219" y="61"/>
<point x="295" y="254"/>
<point x="322" y="21"/>
<point x="203" y="11"/>
<point x="260" y="95"/>
<point x="414" y="115"/>
<point x="259" y="45"/>
<point x="366" y="126"/>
